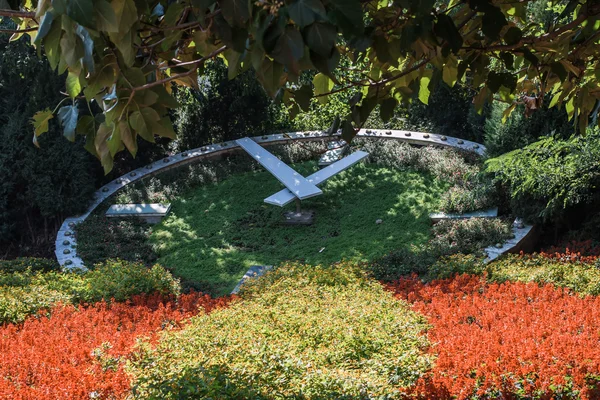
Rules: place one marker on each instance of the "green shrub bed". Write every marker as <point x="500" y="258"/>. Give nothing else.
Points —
<point x="448" y="237"/>
<point x="25" y="292"/>
<point x="299" y="332"/>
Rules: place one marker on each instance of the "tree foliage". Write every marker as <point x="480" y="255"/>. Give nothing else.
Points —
<point x="123" y="55"/>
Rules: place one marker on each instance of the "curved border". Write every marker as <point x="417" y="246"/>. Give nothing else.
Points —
<point x="66" y="242"/>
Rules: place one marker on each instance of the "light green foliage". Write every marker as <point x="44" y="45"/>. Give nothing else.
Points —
<point x="119" y="280"/>
<point x="577" y="276"/>
<point x="448" y="266"/>
<point x="26" y="292"/>
<point x="550" y="175"/>
<point x="580" y="277"/>
<point x="299" y="332"/>
<point x="216" y="232"/>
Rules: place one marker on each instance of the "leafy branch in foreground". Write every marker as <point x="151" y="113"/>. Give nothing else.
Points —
<point x="123" y="56"/>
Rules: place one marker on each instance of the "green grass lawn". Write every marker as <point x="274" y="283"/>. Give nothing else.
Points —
<point x="214" y="233"/>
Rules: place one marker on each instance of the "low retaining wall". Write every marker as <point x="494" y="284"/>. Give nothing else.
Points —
<point x="66" y="242"/>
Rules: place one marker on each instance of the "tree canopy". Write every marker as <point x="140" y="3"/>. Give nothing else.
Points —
<point x="123" y="56"/>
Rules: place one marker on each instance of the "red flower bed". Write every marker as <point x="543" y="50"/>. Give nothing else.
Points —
<point x="503" y="339"/>
<point x="75" y="354"/>
<point x="575" y="250"/>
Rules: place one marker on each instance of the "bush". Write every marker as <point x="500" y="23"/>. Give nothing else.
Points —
<point x="39" y="187"/>
<point x="119" y="280"/>
<point x="29" y="263"/>
<point x="519" y="131"/>
<point x="100" y="238"/>
<point x="468" y="235"/>
<point x="301" y="332"/>
<point x="578" y="276"/>
<point x="550" y="176"/>
<point x="25" y="293"/>
<point x="456" y="264"/>
<point x="223" y="109"/>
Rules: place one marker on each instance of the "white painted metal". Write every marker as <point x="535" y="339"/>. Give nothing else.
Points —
<point x="491" y="213"/>
<point x="335" y="152"/>
<point x="296" y="183"/>
<point x="142" y="210"/>
<point x="285" y="197"/>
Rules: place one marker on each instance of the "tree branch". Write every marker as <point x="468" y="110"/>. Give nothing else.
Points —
<point x="17" y="14"/>
<point x="18" y="30"/>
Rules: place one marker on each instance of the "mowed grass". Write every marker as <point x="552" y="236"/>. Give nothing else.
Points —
<point x="214" y="233"/>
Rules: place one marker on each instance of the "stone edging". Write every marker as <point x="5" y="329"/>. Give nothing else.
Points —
<point x="66" y="242"/>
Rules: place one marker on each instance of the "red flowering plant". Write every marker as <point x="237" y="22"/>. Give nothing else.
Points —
<point x="79" y="353"/>
<point x="508" y="340"/>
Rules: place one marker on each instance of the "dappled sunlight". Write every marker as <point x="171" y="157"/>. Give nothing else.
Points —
<point x="216" y="232"/>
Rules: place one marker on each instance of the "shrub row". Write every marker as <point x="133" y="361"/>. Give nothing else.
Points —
<point x="79" y="353"/>
<point x="508" y="340"/>
<point x="301" y="332"/>
<point x="25" y="293"/>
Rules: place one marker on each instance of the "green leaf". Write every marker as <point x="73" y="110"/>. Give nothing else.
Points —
<point x="164" y="128"/>
<point x="72" y="50"/>
<point x="142" y="122"/>
<point x="529" y="56"/>
<point x="446" y="29"/>
<point x="424" y="90"/>
<point x="101" y="147"/>
<point x="236" y="12"/>
<point x="73" y="84"/>
<point x="289" y="49"/>
<point x="128" y="137"/>
<point x="44" y="28"/>
<point x="322" y="84"/>
<point x="126" y="13"/>
<point x="40" y="121"/>
<point x="348" y="132"/>
<point x="114" y="142"/>
<point x="570" y="108"/>
<point x="107" y="19"/>
<point x="67" y="116"/>
<point x="303" y="97"/>
<point x="305" y="12"/>
<point x="554" y="100"/>
<point x="559" y="70"/>
<point x="508" y="59"/>
<point x="125" y="45"/>
<point x="513" y="35"/>
<point x="492" y="22"/>
<point x="320" y="38"/>
<point x="335" y="125"/>
<point x="88" y="48"/>
<point x="52" y="44"/>
<point x="349" y="15"/>
<point x="386" y="109"/>
<point x="326" y="65"/>
<point x="82" y="12"/>
<point x="450" y="71"/>
<point x="506" y="114"/>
